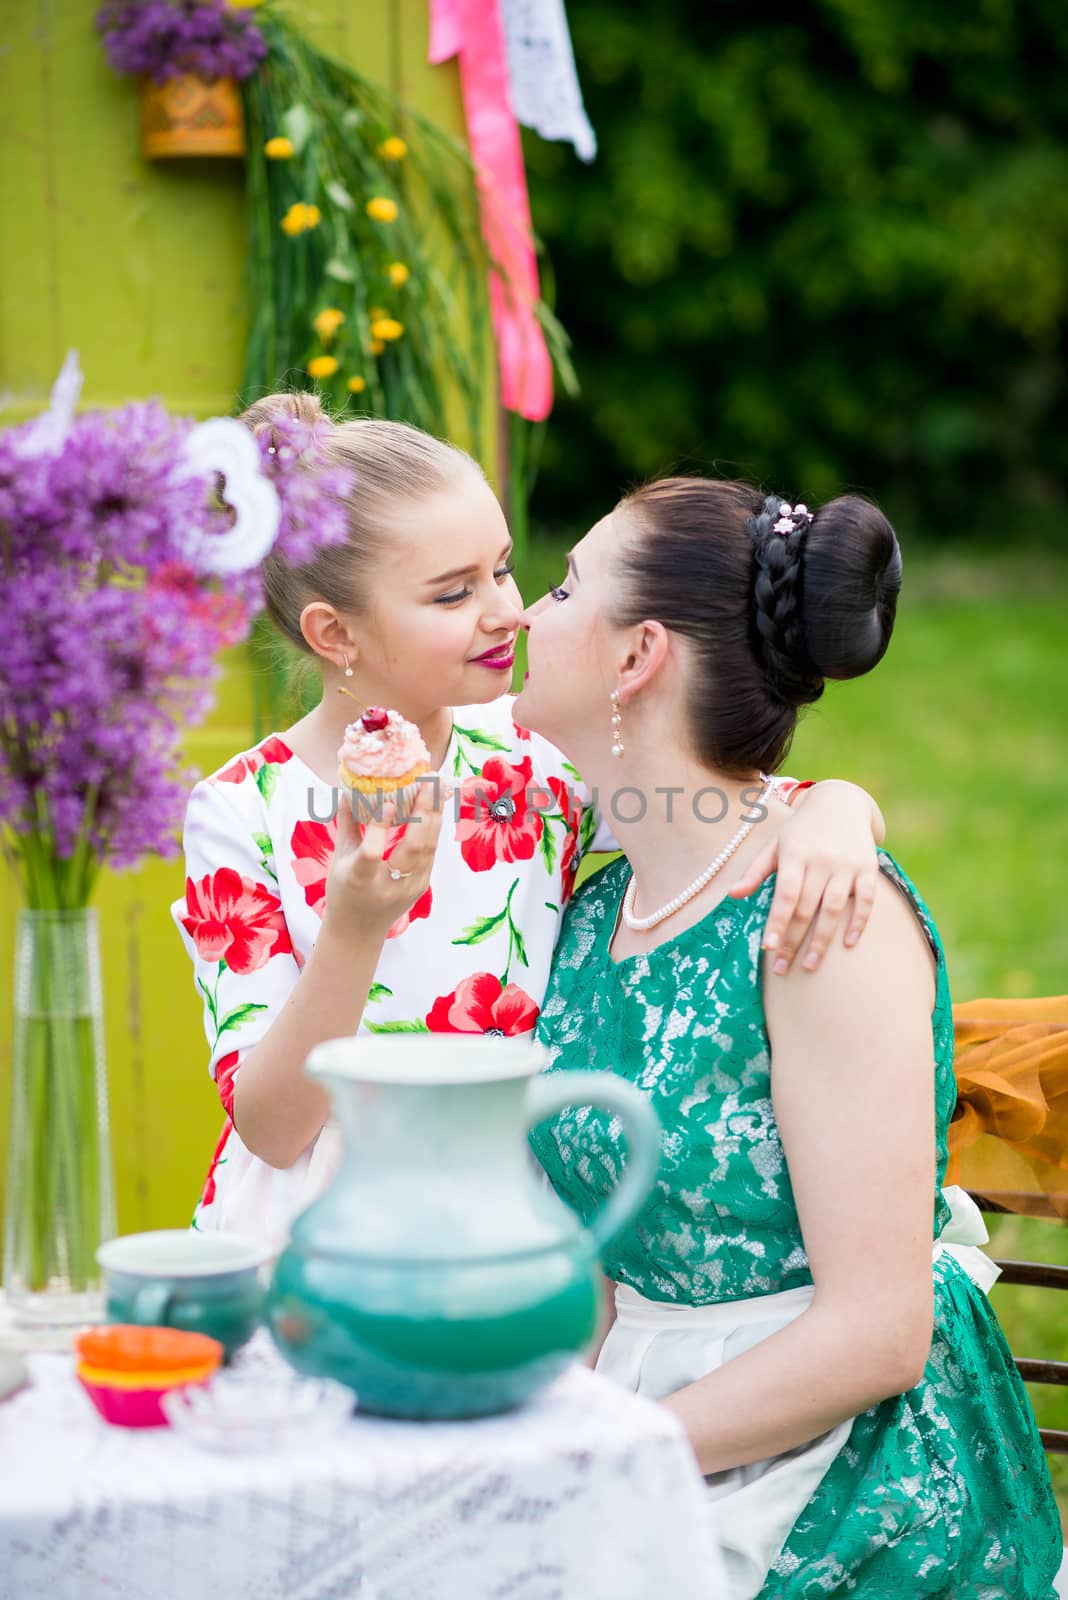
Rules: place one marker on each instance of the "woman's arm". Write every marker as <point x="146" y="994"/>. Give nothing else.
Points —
<point x="824" y="857"/>
<point x="853" y="1094"/>
<point x="277" y="1110"/>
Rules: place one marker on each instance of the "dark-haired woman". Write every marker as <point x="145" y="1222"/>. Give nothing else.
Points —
<point x="789" y="1289"/>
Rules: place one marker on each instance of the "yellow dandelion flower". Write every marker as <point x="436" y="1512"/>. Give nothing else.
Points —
<point x="278" y="149"/>
<point x="381" y="209"/>
<point x="386" y="328"/>
<point x="357" y="385"/>
<point x="398" y="274"/>
<point x="322" y="366"/>
<point x="376" y="347"/>
<point x="393" y="149"/>
<point x="299" y="218"/>
<point x="328" y="322"/>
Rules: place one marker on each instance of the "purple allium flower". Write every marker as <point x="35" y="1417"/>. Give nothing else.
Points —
<point x="109" y="638"/>
<point x="168" y="37"/>
<point x="312" y="493"/>
<point x="114" y="493"/>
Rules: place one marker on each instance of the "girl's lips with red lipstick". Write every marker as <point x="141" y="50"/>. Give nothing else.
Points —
<point x="501" y="659"/>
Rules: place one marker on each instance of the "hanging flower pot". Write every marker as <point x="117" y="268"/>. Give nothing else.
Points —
<point x="191" y="115"/>
<point x="190" y="56"/>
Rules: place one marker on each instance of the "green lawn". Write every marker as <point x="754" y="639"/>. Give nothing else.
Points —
<point x="962" y="736"/>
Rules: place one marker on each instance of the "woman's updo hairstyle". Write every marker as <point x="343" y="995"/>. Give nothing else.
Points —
<point x="394" y="466"/>
<point x="772" y="599"/>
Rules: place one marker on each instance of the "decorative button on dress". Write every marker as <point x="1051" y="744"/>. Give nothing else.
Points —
<point x="471" y="956"/>
<point x="943" y="1491"/>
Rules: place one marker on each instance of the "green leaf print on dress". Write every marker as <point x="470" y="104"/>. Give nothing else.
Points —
<point x="499" y="921"/>
<point x="478" y="739"/>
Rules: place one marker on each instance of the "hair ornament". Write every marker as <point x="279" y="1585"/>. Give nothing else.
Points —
<point x="791" y="518"/>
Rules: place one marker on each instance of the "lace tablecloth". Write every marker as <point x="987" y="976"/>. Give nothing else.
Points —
<point x="585" y="1492"/>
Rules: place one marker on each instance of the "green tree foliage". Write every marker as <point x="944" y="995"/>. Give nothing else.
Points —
<point x="824" y="244"/>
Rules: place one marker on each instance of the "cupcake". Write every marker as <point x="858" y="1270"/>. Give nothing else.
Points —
<point x="126" y="1369"/>
<point x="382" y="753"/>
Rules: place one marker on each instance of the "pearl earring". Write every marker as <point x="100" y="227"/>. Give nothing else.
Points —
<point x="348" y="669"/>
<point x="617" y="724"/>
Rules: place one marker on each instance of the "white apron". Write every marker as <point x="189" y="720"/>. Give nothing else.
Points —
<point x="655" y="1348"/>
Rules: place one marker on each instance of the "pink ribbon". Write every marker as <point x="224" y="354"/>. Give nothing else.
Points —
<point x="472" y="29"/>
<point x="446" y="31"/>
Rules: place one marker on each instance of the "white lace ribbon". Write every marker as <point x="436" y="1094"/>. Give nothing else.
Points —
<point x="541" y="68"/>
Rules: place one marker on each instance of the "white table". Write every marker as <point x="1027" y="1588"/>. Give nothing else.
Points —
<point x="586" y="1492"/>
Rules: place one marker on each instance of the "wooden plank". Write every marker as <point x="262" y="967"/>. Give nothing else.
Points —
<point x="435" y="91"/>
<point x="165" y="1114"/>
<point x="29" y="333"/>
<point x="1055" y="1372"/>
<point x="365" y="36"/>
<point x="149" y="254"/>
<point x="1037" y="1274"/>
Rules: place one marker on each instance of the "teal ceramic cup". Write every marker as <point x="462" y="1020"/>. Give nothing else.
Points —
<point x="209" y="1283"/>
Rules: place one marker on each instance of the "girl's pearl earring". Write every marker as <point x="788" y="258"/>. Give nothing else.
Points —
<point x="617" y="724"/>
<point x="348" y="669"/>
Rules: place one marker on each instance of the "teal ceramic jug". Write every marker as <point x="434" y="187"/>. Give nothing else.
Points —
<point x="439" y="1275"/>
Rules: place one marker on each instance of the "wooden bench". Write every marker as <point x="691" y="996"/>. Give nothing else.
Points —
<point x="1036" y="1275"/>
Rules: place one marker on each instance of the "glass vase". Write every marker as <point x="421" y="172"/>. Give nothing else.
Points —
<point x="59" y="1204"/>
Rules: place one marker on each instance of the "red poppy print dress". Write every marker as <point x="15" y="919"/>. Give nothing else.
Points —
<point x="471" y="956"/>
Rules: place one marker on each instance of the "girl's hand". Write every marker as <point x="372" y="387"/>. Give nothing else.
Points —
<point x="827" y="863"/>
<point x="363" y="898"/>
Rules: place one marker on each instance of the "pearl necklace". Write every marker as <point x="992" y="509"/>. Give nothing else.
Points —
<point x="640" y="924"/>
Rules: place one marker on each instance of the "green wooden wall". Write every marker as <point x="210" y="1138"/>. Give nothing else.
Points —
<point x="139" y="267"/>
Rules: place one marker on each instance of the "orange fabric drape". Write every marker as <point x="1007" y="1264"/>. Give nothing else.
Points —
<point x="1008" y="1139"/>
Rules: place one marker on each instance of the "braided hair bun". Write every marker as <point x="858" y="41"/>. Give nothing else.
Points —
<point x="772" y="599"/>
<point x="825" y="592"/>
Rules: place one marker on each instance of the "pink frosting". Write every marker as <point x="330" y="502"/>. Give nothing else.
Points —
<point x="388" y="752"/>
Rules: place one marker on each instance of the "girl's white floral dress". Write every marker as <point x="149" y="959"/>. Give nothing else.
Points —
<point x="472" y="955"/>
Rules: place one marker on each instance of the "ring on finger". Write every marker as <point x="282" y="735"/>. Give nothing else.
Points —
<point x="394" y="874"/>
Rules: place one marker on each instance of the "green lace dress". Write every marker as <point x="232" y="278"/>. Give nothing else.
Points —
<point x="943" y="1491"/>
